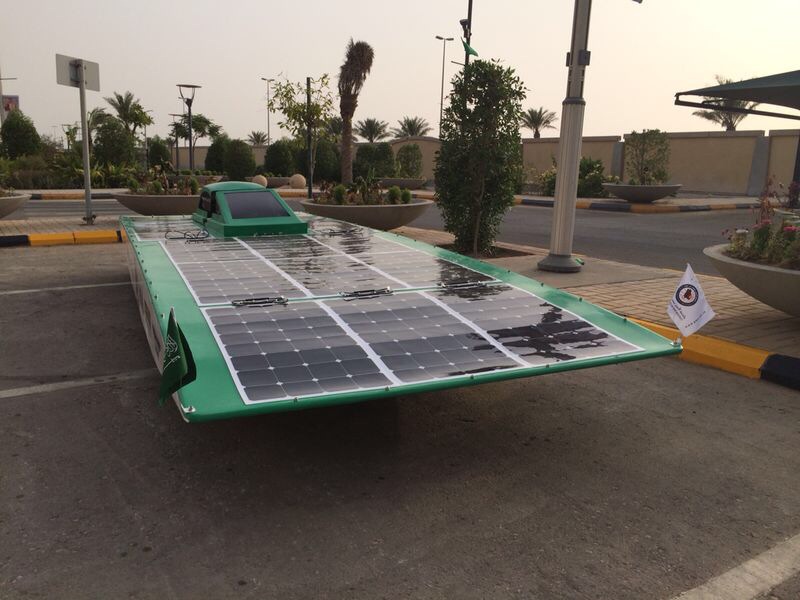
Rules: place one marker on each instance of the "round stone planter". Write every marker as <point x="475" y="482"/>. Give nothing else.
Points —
<point x="378" y="216"/>
<point x="158" y="205"/>
<point x="641" y="194"/>
<point x="10" y="204"/>
<point x="775" y="287"/>
<point x="402" y="182"/>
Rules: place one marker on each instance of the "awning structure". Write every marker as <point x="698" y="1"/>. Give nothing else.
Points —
<point x="782" y="89"/>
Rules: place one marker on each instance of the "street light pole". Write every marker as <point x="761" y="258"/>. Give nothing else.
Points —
<point x="560" y="258"/>
<point x="441" y="97"/>
<point x="268" y="81"/>
<point x="188" y="98"/>
<point x="466" y="25"/>
<point x="177" y="148"/>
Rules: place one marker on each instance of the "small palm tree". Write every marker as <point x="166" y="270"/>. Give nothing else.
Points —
<point x="94" y="118"/>
<point x="352" y="75"/>
<point x="411" y="127"/>
<point x="537" y="119"/>
<point x="130" y="111"/>
<point x="728" y="120"/>
<point x="372" y="130"/>
<point x="257" y="138"/>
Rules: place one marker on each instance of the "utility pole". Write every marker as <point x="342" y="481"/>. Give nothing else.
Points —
<point x="466" y="25"/>
<point x="441" y="96"/>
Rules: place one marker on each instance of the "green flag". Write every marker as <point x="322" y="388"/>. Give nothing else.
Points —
<point x="468" y="49"/>
<point x="178" y="368"/>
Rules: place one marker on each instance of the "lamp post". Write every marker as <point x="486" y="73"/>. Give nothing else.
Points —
<point x="175" y="120"/>
<point x="268" y="81"/>
<point x="441" y="97"/>
<point x="560" y="258"/>
<point x="466" y="26"/>
<point x="188" y="99"/>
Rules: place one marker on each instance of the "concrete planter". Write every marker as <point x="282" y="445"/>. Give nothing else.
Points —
<point x="641" y="194"/>
<point x="378" y="216"/>
<point x="10" y="204"/>
<point x="158" y="205"/>
<point x="402" y="182"/>
<point x="775" y="287"/>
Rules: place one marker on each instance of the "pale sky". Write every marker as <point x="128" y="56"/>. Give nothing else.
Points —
<point x="641" y="54"/>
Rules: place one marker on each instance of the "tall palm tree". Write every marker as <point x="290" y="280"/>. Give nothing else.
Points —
<point x="411" y="127"/>
<point x="372" y="130"/>
<point x="537" y="119"/>
<point x="352" y="75"/>
<point x="257" y="138"/>
<point x="130" y="111"/>
<point x="728" y="120"/>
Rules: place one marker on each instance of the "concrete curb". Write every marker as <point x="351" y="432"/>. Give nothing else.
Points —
<point x="64" y="238"/>
<point x="71" y="196"/>
<point x="733" y="358"/>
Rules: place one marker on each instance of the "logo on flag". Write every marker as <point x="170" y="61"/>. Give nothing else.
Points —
<point x="178" y="367"/>
<point x="688" y="307"/>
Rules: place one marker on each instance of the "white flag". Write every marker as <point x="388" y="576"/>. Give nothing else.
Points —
<point x="688" y="307"/>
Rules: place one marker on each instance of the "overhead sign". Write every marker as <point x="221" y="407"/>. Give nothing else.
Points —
<point x="67" y="72"/>
<point x="10" y="103"/>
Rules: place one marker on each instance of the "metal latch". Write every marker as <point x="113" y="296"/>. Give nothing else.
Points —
<point x="460" y="285"/>
<point x="265" y="301"/>
<point x="360" y="294"/>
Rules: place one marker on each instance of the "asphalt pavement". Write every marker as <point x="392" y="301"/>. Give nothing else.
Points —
<point x="635" y="481"/>
<point x="653" y="240"/>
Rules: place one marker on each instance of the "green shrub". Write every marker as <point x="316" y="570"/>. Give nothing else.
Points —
<point x="409" y="161"/>
<point x="339" y="194"/>
<point x="194" y="185"/>
<point x="590" y="179"/>
<point x="239" y="161"/>
<point x="132" y="184"/>
<point x="375" y="158"/>
<point x="154" y="188"/>
<point x="30" y="172"/>
<point x="279" y="158"/>
<point x="479" y="163"/>
<point x="18" y="136"/>
<point x="158" y="153"/>
<point x="215" y="158"/>
<point x="113" y="144"/>
<point x="647" y="157"/>
<point x="547" y="181"/>
<point x="405" y="196"/>
<point x="393" y="195"/>
<point x="185" y="172"/>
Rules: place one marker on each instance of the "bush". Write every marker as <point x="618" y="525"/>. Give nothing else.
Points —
<point x="376" y="159"/>
<point x="113" y="145"/>
<point x="647" y="157"/>
<point x="18" y="136"/>
<point x="158" y="153"/>
<point x="393" y="195"/>
<point x="590" y="179"/>
<point x="30" y="172"/>
<point x="405" y="196"/>
<point x="279" y="158"/>
<point x="339" y="194"/>
<point x="215" y="158"/>
<point x="239" y="161"/>
<point x="479" y="163"/>
<point x="409" y="161"/>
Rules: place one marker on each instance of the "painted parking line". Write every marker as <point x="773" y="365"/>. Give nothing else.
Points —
<point x="753" y="578"/>
<point x="63" y="287"/>
<point x="76" y="383"/>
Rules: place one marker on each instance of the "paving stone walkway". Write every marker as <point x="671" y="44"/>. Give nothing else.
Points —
<point x="55" y="225"/>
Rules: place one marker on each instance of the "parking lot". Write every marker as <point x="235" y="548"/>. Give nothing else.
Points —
<point x="633" y="481"/>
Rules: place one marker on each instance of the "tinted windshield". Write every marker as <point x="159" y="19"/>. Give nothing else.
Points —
<point x="248" y="205"/>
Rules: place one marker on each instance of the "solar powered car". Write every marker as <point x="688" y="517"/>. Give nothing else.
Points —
<point x="282" y="311"/>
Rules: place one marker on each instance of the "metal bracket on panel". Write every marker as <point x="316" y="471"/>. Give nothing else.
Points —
<point x="265" y="301"/>
<point x="460" y="285"/>
<point x="361" y="294"/>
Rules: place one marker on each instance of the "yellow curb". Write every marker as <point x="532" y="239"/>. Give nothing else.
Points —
<point x="648" y="208"/>
<point x="100" y="236"/>
<point x="582" y="204"/>
<point x="715" y="352"/>
<point x="517" y="200"/>
<point x="292" y="193"/>
<point x="723" y="207"/>
<point x="50" y="239"/>
<point x="64" y="196"/>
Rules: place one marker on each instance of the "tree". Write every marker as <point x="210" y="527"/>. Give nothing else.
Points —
<point x="202" y="127"/>
<point x="279" y="158"/>
<point x="376" y="160"/>
<point x="728" y="120"/>
<point x="409" y="161"/>
<point x="157" y="152"/>
<point x="537" y="119"/>
<point x="372" y="130"/>
<point x="480" y="160"/>
<point x="333" y="129"/>
<point x="18" y="136"/>
<point x="290" y="99"/>
<point x="239" y="161"/>
<point x="411" y="127"/>
<point x="215" y="158"/>
<point x="352" y="75"/>
<point x="114" y="144"/>
<point x="257" y="138"/>
<point x="94" y="118"/>
<point x="129" y="111"/>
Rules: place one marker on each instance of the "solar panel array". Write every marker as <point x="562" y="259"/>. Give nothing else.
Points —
<point x="441" y="320"/>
